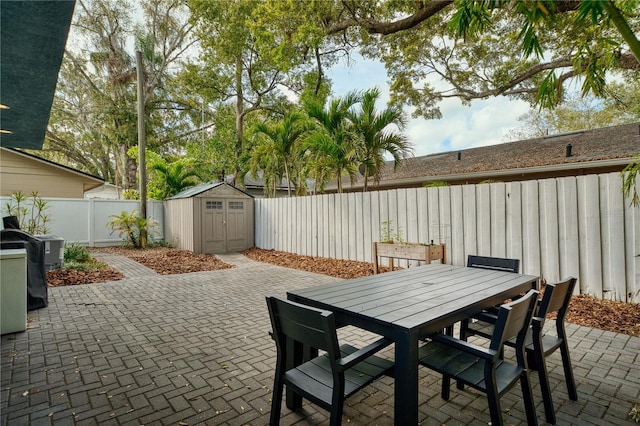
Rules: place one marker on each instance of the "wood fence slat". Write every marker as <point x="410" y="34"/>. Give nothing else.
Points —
<point x="455" y="247"/>
<point x="514" y="221"/>
<point x="550" y="255"/>
<point x="483" y="203"/>
<point x="612" y="213"/>
<point x="569" y="246"/>
<point x="531" y="229"/>
<point x="590" y="243"/>
<point x="498" y="219"/>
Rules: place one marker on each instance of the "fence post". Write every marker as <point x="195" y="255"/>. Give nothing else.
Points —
<point x="92" y="221"/>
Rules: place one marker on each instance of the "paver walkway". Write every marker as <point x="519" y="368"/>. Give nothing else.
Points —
<point x="194" y="349"/>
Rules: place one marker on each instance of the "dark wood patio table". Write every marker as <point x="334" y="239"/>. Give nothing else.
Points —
<point x="411" y="304"/>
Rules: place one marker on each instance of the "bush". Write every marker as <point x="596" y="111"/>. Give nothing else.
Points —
<point x="635" y="414"/>
<point x="90" y="265"/>
<point x="135" y="229"/>
<point x="74" y="252"/>
<point x="31" y="212"/>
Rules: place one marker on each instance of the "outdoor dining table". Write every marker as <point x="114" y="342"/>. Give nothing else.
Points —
<point x="409" y="305"/>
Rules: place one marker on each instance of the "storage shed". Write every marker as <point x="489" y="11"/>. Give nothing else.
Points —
<point x="210" y="218"/>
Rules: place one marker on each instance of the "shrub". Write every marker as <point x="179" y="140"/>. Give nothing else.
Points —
<point x="134" y="228"/>
<point x="435" y="184"/>
<point x="635" y="414"/>
<point x="388" y="234"/>
<point x="30" y="211"/>
<point x="74" y="252"/>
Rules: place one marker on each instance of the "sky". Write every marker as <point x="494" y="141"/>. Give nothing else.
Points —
<point x="485" y="122"/>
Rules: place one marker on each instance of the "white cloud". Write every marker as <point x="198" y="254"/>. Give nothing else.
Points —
<point x="485" y="122"/>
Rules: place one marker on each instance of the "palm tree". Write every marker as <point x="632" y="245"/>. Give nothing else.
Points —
<point x="175" y="178"/>
<point x="376" y="136"/>
<point x="275" y="155"/>
<point x="333" y="144"/>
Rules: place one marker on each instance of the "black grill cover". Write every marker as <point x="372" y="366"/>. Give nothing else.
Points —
<point x="10" y="222"/>
<point x="36" y="276"/>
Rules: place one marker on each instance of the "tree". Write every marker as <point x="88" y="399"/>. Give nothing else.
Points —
<point x="276" y="154"/>
<point x="230" y="69"/>
<point x="477" y="49"/>
<point x="94" y="112"/>
<point x="376" y="136"/>
<point x="583" y="112"/>
<point x="174" y="178"/>
<point x="332" y="145"/>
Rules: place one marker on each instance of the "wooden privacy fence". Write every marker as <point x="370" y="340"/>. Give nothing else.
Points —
<point x="578" y="226"/>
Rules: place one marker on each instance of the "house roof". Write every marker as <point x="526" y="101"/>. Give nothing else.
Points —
<point x="204" y="187"/>
<point x="590" y="149"/>
<point x="93" y="181"/>
<point x="33" y="35"/>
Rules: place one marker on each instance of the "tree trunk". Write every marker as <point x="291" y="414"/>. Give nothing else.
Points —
<point x="132" y="171"/>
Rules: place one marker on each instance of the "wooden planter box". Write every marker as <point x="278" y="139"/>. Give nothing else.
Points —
<point x="408" y="251"/>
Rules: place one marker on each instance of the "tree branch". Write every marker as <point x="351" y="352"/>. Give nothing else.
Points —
<point x="422" y="13"/>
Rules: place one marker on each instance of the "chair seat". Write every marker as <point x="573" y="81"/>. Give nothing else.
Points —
<point x="485" y="329"/>
<point x="467" y="367"/>
<point x="314" y="377"/>
<point x="480" y="328"/>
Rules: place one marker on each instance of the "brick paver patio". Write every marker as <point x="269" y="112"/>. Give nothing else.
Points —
<point x="194" y="349"/>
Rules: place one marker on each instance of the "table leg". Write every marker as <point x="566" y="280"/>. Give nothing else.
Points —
<point x="406" y="379"/>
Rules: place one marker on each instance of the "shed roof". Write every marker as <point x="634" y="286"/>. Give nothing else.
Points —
<point x="204" y="187"/>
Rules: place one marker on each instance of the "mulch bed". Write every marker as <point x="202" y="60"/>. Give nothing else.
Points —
<point x="64" y="277"/>
<point x="322" y="265"/>
<point x="167" y="261"/>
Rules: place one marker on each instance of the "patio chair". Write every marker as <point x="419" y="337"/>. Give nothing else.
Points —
<point x="483" y="368"/>
<point x="325" y="380"/>
<point x="539" y="345"/>
<point x="493" y="263"/>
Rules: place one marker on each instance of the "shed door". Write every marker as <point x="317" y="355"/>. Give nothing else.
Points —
<point x="236" y="225"/>
<point x="225" y="226"/>
<point x="213" y="225"/>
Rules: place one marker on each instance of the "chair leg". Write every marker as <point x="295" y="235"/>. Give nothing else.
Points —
<point x="494" y="405"/>
<point x="336" y="412"/>
<point x="276" y="403"/>
<point x="568" y="371"/>
<point x="545" y="389"/>
<point x="446" y="387"/>
<point x="527" y="397"/>
<point x="464" y="324"/>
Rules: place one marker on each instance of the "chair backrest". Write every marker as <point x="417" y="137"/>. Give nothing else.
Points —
<point x="312" y="327"/>
<point x="556" y="298"/>
<point x="496" y="263"/>
<point x="514" y="319"/>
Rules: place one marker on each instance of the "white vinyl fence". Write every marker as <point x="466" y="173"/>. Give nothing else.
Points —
<point x="578" y="226"/>
<point x="85" y="220"/>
